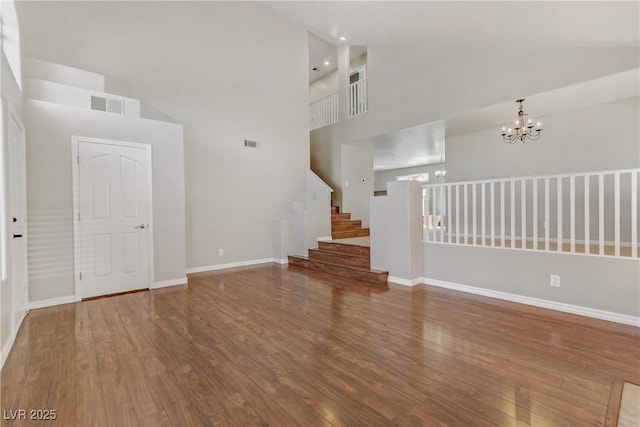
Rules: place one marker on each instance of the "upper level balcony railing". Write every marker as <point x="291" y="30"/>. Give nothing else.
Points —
<point x="324" y="112"/>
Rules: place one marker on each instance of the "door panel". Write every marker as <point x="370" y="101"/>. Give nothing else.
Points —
<point x="18" y="217"/>
<point x="113" y="205"/>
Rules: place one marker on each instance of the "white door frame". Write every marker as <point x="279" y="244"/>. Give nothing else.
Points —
<point x="18" y="288"/>
<point x="75" y="143"/>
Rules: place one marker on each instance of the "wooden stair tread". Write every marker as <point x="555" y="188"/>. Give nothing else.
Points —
<point x="345" y="248"/>
<point x="368" y="270"/>
<point x="340" y="217"/>
<point x="354" y="232"/>
<point x="346" y="225"/>
<point x="329" y="251"/>
<point x="368" y="275"/>
<point x="347" y="260"/>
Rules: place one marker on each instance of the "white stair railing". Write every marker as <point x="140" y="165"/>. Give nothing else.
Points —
<point x="323" y="112"/>
<point x="358" y="97"/>
<point x="591" y="213"/>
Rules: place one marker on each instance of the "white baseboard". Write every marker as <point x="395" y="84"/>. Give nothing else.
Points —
<point x="233" y="265"/>
<point x="167" y="283"/>
<point x="6" y="349"/>
<point x="404" y="282"/>
<point x="53" y="301"/>
<point x="538" y="302"/>
<point x="280" y="261"/>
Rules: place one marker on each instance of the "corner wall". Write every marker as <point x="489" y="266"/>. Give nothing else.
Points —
<point x="228" y="71"/>
<point x="50" y="196"/>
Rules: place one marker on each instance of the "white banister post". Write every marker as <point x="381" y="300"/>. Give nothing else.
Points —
<point x="634" y="214"/>
<point x="547" y="215"/>
<point x="559" y="202"/>
<point x="572" y="212"/>
<point x="534" y="205"/>
<point x="601" y="214"/>
<point x="616" y="213"/>
<point x="587" y="225"/>
<point x="523" y="213"/>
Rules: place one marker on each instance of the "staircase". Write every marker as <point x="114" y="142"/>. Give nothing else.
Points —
<point x="342" y="258"/>
<point x="342" y="226"/>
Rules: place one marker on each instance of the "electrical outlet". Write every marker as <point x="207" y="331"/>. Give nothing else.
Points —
<point x="554" y="280"/>
<point x="221" y="252"/>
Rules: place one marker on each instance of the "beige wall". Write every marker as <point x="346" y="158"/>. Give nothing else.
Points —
<point x="50" y="197"/>
<point x="227" y="71"/>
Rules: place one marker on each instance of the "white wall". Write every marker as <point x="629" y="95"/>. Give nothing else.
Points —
<point x="408" y="86"/>
<point x="329" y="83"/>
<point x="43" y="70"/>
<point x="68" y="95"/>
<point x="590" y="139"/>
<point x="396" y="232"/>
<point x="605" y="284"/>
<point x="357" y="175"/>
<point x="227" y="71"/>
<point x="389" y="175"/>
<point x="50" y="197"/>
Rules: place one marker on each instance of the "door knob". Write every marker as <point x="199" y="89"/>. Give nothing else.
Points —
<point x="140" y="226"/>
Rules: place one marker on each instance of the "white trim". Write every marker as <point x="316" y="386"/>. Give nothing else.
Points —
<point x="75" y="171"/>
<point x="534" y="177"/>
<point x="280" y="261"/>
<point x="404" y="282"/>
<point x="233" y="265"/>
<point x="537" y="302"/>
<point x="590" y="254"/>
<point x="53" y="301"/>
<point x="6" y="349"/>
<point x="167" y="283"/>
<point x="324" y="238"/>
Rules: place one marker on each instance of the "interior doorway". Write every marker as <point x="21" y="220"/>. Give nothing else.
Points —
<point x="112" y="216"/>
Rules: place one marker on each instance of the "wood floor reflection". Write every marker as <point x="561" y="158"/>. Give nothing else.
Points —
<point x="269" y="345"/>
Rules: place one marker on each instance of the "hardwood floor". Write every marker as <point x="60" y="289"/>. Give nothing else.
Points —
<point x="266" y="345"/>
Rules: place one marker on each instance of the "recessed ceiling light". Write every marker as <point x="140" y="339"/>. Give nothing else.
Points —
<point x="326" y="63"/>
<point x="343" y="39"/>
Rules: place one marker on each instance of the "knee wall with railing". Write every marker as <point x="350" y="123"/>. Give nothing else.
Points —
<point x="590" y="213"/>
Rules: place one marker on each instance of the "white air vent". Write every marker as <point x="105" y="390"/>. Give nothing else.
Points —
<point x="100" y="103"/>
<point x="250" y="143"/>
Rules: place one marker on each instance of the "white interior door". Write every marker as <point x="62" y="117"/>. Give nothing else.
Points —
<point x="113" y="206"/>
<point x="18" y="217"/>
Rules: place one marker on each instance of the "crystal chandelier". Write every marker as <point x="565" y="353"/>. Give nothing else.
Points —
<point x="524" y="129"/>
<point x="442" y="172"/>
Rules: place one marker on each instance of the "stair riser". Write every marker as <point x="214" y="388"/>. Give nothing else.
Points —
<point x="345" y="225"/>
<point x="362" y="232"/>
<point x="340" y="217"/>
<point x="360" y="251"/>
<point x="335" y="258"/>
<point x="367" y="276"/>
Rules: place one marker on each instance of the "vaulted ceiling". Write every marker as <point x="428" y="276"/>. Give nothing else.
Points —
<point x="450" y="28"/>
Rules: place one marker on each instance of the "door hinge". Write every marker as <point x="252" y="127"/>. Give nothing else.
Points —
<point x="80" y="276"/>
<point x="78" y="216"/>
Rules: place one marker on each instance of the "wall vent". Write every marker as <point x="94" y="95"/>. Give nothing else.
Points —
<point x="250" y="143"/>
<point x="100" y="103"/>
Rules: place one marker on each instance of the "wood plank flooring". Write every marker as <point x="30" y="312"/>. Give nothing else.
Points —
<point x="266" y="345"/>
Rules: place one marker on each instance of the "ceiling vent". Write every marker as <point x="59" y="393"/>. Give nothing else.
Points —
<point x="108" y="105"/>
